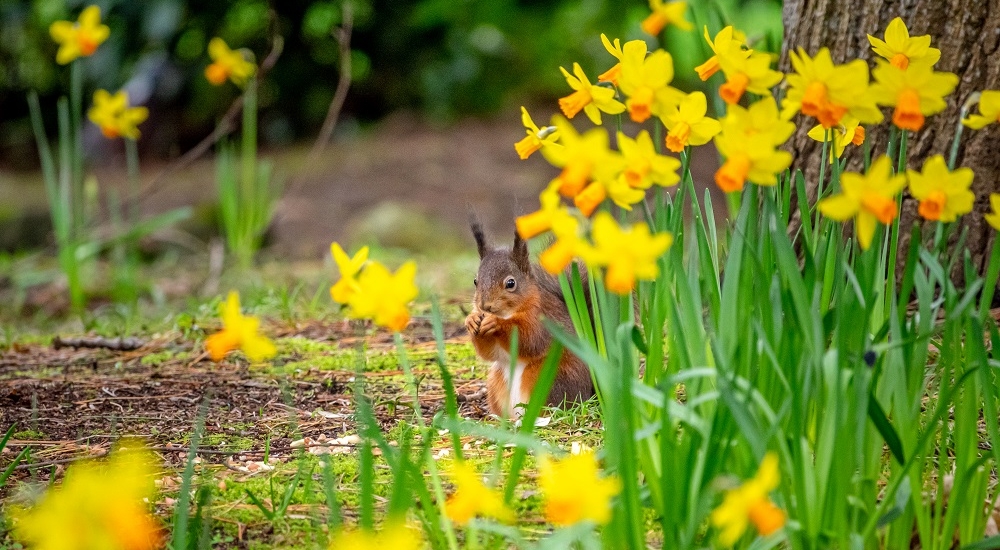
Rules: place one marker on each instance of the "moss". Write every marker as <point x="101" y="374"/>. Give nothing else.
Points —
<point x="29" y="435"/>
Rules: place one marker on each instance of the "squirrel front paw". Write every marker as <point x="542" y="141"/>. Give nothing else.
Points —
<point x="488" y="325"/>
<point x="472" y="322"/>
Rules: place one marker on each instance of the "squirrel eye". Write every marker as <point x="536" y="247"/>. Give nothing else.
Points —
<point x="475" y="282"/>
<point x="510" y="283"/>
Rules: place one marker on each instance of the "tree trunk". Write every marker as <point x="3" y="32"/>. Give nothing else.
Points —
<point x="968" y="34"/>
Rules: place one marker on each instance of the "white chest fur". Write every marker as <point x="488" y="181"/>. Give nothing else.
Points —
<point x="513" y="379"/>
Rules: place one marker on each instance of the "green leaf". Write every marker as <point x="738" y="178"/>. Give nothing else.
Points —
<point x="878" y="417"/>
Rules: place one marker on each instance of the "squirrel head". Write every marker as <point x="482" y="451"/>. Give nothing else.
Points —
<point x="505" y="281"/>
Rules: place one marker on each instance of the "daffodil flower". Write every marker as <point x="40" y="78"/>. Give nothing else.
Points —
<point x="568" y="244"/>
<point x="239" y="332"/>
<point x="536" y="137"/>
<point x="869" y="199"/>
<point x="663" y="14"/>
<point x="627" y="254"/>
<point x="727" y="43"/>
<point x="395" y="535"/>
<point x="349" y="267"/>
<point x="383" y="296"/>
<point x="989" y="111"/>
<point x="687" y="123"/>
<point x="97" y="505"/>
<point x="915" y="92"/>
<point x="587" y="97"/>
<point x="750" y="503"/>
<point x="611" y="75"/>
<point x="583" y="158"/>
<point x="944" y="195"/>
<point x="574" y="491"/>
<point x="749" y="141"/>
<point x="759" y="122"/>
<point x="849" y="132"/>
<point x="993" y="217"/>
<point x="751" y="73"/>
<point x="473" y="498"/>
<point x="551" y="213"/>
<point x="80" y="38"/>
<point x="228" y="64"/>
<point x="646" y="81"/>
<point x="643" y="165"/>
<point x="901" y="50"/>
<point x="828" y="92"/>
<point x="114" y="117"/>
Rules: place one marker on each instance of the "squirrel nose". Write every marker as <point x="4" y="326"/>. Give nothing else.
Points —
<point x="487" y="307"/>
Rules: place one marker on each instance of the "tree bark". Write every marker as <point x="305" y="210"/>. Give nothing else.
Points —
<point x="968" y="34"/>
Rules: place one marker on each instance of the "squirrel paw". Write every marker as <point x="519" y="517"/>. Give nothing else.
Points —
<point x="488" y="325"/>
<point x="472" y="322"/>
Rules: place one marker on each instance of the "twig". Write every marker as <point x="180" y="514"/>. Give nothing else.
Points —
<point x="99" y="342"/>
<point x="343" y="35"/>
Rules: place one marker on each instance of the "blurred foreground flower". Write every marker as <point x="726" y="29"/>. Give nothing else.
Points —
<point x="536" y="138"/>
<point x="915" y="92"/>
<point x="628" y="254"/>
<point x="396" y="536"/>
<point x="611" y="75"/>
<point x="869" y="199"/>
<point x="901" y="50"/>
<point x="993" y="217"/>
<point x="239" y="332"/>
<point x="473" y="498"/>
<point x="749" y="503"/>
<point x="587" y="97"/>
<point x="112" y="114"/>
<point x="375" y="293"/>
<point x="97" y="506"/>
<point x="989" y="109"/>
<point x="80" y="38"/>
<point x="665" y="13"/>
<point x="228" y="64"/>
<point x="749" y="141"/>
<point x="349" y="267"/>
<point x="944" y="195"/>
<point x="574" y="491"/>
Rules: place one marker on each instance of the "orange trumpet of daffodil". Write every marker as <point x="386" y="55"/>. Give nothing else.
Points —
<point x="749" y="141"/>
<point x="747" y="73"/>
<point x="228" y="64"/>
<point x="536" y="137"/>
<point x="663" y="14"/>
<point x="749" y="504"/>
<point x="687" y="123"/>
<point x="901" y="50"/>
<point x="828" y="92"/>
<point x="574" y="491"/>
<point x="114" y="117"/>
<point x="869" y="199"/>
<point x="80" y="38"/>
<point x="944" y="195"/>
<point x="727" y="43"/>
<point x="238" y="332"/>
<point x="611" y="75"/>
<point x="915" y="93"/>
<point x="587" y="97"/>
<point x="582" y="157"/>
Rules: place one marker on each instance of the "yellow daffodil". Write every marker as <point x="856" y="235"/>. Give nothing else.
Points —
<point x="238" y="332"/>
<point x="97" y="505"/>
<point x="80" y="38"/>
<point x="473" y="498"/>
<point x="618" y="190"/>
<point x="944" y="195"/>
<point x="643" y="166"/>
<point x="395" y="535"/>
<point x="869" y="199"/>
<point x="536" y="138"/>
<point x="663" y="14"/>
<point x="542" y="220"/>
<point x="751" y="73"/>
<point x="583" y="158"/>
<point x="749" y="141"/>
<point x="750" y="503"/>
<point x="646" y="81"/>
<point x="114" y="117"/>
<point x="687" y="123"/>
<point x="349" y="268"/>
<point x="728" y="43"/>
<point x="574" y="491"/>
<point x="568" y="244"/>
<point x="993" y="218"/>
<point x="847" y="133"/>
<point x="611" y="75"/>
<point x="590" y="98"/>
<point x="989" y="109"/>
<point x="828" y="92"/>
<point x="228" y="64"/>
<point x="901" y="50"/>
<point x="915" y="92"/>
<point x="383" y="296"/>
<point x="628" y="254"/>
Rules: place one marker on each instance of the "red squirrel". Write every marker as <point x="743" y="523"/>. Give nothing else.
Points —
<point x="513" y="292"/>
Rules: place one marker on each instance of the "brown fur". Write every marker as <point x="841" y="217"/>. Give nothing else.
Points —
<point x="497" y="310"/>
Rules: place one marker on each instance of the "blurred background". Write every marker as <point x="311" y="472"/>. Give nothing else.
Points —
<point x="425" y="136"/>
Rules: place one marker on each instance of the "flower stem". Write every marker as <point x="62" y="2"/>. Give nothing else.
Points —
<point x="76" y="115"/>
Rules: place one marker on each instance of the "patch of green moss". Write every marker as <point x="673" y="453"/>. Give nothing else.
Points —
<point x="164" y="356"/>
<point x="228" y="442"/>
<point x="29" y="435"/>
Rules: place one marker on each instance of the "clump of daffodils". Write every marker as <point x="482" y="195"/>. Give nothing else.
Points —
<point x="371" y="291"/>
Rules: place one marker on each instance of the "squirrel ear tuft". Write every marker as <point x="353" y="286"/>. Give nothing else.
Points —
<point x="519" y="254"/>
<point x="477" y="232"/>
